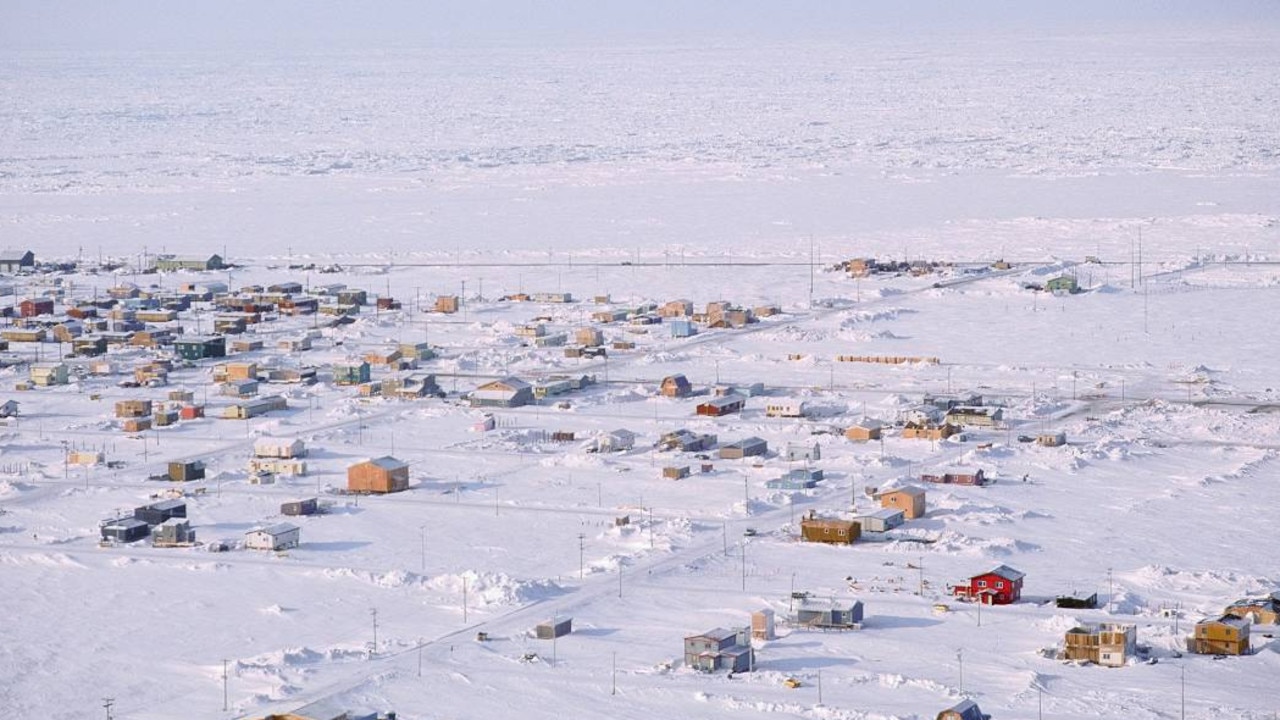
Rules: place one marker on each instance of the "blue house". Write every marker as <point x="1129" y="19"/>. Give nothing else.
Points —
<point x="682" y="328"/>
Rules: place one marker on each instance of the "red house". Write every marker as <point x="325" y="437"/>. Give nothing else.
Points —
<point x="35" y="306"/>
<point x="959" y="477"/>
<point x="1000" y="586"/>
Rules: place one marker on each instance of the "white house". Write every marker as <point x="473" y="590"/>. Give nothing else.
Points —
<point x="273" y="537"/>
<point x="616" y="441"/>
<point x="784" y="407"/>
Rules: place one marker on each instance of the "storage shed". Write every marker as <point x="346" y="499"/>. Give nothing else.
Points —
<point x="124" y="530"/>
<point x="554" y="628"/>
<point x="309" y="506"/>
<point x="182" y="471"/>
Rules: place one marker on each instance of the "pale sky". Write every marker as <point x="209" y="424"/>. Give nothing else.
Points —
<point x="362" y="24"/>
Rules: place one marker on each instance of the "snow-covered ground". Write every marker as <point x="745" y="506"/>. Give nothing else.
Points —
<point x="650" y="174"/>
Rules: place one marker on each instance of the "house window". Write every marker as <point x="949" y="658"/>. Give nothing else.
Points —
<point x="1000" y="584"/>
<point x="842" y="533"/>
<point x="982" y="583"/>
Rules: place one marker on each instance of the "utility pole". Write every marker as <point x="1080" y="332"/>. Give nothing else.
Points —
<point x="650" y="527"/>
<point x="224" y="685"/>
<point x="744" y="563"/>
<point x="1111" y="588"/>
<point x="614" y="690"/>
<point x="423" y="530"/>
<point x="581" y="555"/>
<point x="921" y="576"/>
<point x="419" y="657"/>
<point x="960" y="660"/>
<point x="374" y="650"/>
<point x="106" y="705"/>
<point x="464" y="599"/>
<point x="619" y="580"/>
<point x="1184" y="692"/>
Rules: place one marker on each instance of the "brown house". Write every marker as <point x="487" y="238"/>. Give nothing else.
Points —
<point x="910" y="499"/>
<point x="928" y="431"/>
<point x="831" y="531"/>
<point x="1263" y="611"/>
<point x="380" y="475"/>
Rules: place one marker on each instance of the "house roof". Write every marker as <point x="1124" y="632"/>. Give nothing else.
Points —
<point x="12" y="255"/>
<point x="883" y="513"/>
<point x="726" y="400"/>
<point x="386" y="462"/>
<point x="968" y="710"/>
<point x="719" y="634"/>
<point x="1006" y="572"/>
<point x="276" y="530"/>
<point x="912" y="490"/>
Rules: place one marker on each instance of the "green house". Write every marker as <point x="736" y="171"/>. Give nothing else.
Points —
<point x="1062" y="284"/>
<point x="201" y="347"/>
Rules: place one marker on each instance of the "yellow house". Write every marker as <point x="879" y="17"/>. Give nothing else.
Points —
<point x="1227" y="635"/>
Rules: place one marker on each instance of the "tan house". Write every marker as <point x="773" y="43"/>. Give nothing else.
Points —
<point x="446" y="304"/>
<point x="49" y="374"/>
<point x="133" y="408"/>
<point x="676" y="308"/>
<point x="1109" y="644"/>
<point x="910" y="499"/>
<point x="380" y="475"/>
<point x="928" y="431"/>
<point x="242" y="371"/>
<point x="831" y="531"/>
<point x="1227" y="635"/>
<point x="588" y="336"/>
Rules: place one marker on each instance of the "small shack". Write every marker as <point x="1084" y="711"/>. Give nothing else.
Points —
<point x="309" y="506"/>
<point x="554" y="628"/>
<point x="829" y="614"/>
<point x="185" y="470"/>
<point x="829" y="530"/>
<point x="159" y="512"/>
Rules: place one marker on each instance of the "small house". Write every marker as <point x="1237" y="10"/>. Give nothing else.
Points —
<point x="1051" y="439"/>
<point x="173" y="532"/>
<point x="200" y="347"/>
<point x="747" y="447"/>
<point x="133" y="408"/>
<point x="1227" y="635"/>
<point x="1109" y="644"/>
<point x="446" y="304"/>
<point x="239" y="388"/>
<point x="417" y="351"/>
<point x="16" y="261"/>
<point x="1262" y="610"/>
<point x="784" y="408"/>
<point x="675" y="472"/>
<point x="379" y="475"/>
<point x="285" y="467"/>
<point x="293" y="508"/>
<point x="124" y="530"/>
<point x="554" y="628"/>
<point x="616" y="441"/>
<point x="47" y="374"/>
<point x="828" y="614"/>
<point x="958" y="477"/>
<point x="676" y="309"/>
<point x="762" y="625"/>
<point x="158" y="512"/>
<point x="963" y="710"/>
<point x="864" y="430"/>
<point x="974" y="416"/>
<point x="928" y="431"/>
<point x="796" y="479"/>
<point x="1064" y="284"/>
<point x="506" y="392"/>
<point x="183" y="471"/>
<point x="589" y="337"/>
<point x="34" y="307"/>
<point x="798" y="452"/>
<point x="910" y="499"/>
<point x="1077" y="601"/>
<point x="9" y="408"/>
<point x="255" y="407"/>
<point x="170" y="263"/>
<point x="882" y="520"/>
<point x="279" y="448"/>
<point x="281" y="536"/>
<point x="351" y="373"/>
<point x="675" y="386"/>
<point x="687" y="441"/>
<point x="682" y="328"/>
<point x="1001" y="585"/>
<point x="720" y="406"/>
<point x="830" y="531"/>
<point x="719" y="649"/>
